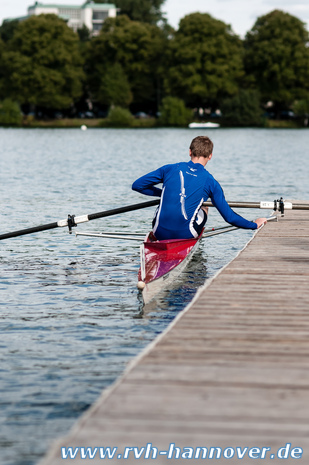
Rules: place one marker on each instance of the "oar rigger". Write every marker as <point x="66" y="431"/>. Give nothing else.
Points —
<point x="71" y="223"/>
<point x="279" y="206"/>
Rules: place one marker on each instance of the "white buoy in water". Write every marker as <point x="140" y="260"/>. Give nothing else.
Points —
<point x="83" y="127"/>
<point x="141" y="285"/>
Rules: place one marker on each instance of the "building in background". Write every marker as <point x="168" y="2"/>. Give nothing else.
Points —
<point x="92" y="15"/>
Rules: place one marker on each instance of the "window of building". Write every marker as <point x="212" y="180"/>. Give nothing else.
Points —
<point x="70" y="13"/>
<point x="99" y="15"/>
<point x="96" y="26"/>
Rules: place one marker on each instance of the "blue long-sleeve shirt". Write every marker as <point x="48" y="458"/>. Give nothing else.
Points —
<point x="185" y="187"/>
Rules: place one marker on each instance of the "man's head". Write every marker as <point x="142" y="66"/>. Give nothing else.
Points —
<point x="201" y="146"/>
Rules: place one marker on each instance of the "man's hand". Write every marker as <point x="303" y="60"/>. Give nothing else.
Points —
<point x="260" y="222"/>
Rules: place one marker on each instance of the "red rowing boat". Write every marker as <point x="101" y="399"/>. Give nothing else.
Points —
<point x="162" y="262"/>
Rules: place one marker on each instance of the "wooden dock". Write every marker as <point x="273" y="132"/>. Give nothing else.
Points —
<point x="231" y="371"/>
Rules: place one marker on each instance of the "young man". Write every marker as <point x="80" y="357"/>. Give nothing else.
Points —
<point x="186" y="186"/>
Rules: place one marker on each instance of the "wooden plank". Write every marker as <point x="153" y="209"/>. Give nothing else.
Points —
<point x="229" y="374"/>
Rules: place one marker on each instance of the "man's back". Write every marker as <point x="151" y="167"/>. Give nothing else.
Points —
<point x="184" y="190"/>
<point x="182" y="195"/>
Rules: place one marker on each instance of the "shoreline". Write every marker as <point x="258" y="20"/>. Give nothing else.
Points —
<point x="149" y="123"/>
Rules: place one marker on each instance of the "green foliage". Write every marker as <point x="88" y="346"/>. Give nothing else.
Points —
<point x="174" y="112"/>
<point x="133" y="61"/>
<point x="147" y="11"/>
<point x="10" y="114"/>
<point x="144" y="123"/>
<point x="136" y="47"/>
<point x="301" y="107"/>
<point x="42" y="64"/>
<point x="114" y="88"/>
<point x="281" y="124"/>
<point x="204" y="61"/>
<point x="7" y="29"/>
<point x="119" y="117"/>
<point x="277" y="56"/>
<point x="243" y="109"/>
<point x="1" y="69"/>
<point x="83" y="33"/>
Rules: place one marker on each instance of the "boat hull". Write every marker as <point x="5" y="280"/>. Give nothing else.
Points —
<point x="162" y="262"/>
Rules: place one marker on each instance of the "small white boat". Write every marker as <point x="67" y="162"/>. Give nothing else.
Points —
<point x="203" y="125"/>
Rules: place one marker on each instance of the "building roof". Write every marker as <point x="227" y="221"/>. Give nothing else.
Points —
<point x="96" y="6"/>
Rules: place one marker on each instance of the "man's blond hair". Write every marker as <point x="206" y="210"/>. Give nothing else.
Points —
<point x="201" y="146"/>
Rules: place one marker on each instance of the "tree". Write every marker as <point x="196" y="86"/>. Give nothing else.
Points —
<point x="10" y="114"/>
<point x="114" y="88"/>
<point x="205" y="61"/>
<point x="277" y="56"/>
<point x="174" y="112"/>
<point x="1" y="68"/>
<point x="83" y="33"/>
<point x="301" y="108"/>
<point x="131" y="49"/>
<point x="146" y="11"/>
<point x="119" y="117"/>
<point x="42" y="64"/>
<point x="7" y="29"/>
<point x="243" y="109"/>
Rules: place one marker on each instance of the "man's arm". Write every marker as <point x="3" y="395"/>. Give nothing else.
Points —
<point x="218" y="200"/>
<point x="145" y="184"/>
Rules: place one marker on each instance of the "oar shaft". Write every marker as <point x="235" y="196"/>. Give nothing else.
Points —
<point x="129" y="208"/>
<point x="22" y="232"/>
<point x="264" y="205"/>
<point x="244" y="204"/>
<point x="300" y="206"/>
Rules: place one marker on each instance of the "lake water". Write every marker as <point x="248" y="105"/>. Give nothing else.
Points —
<point x="71" y="317"/>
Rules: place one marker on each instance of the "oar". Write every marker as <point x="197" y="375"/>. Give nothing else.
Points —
<point x="274" y="205"/>
<point x="74" y="220"/>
